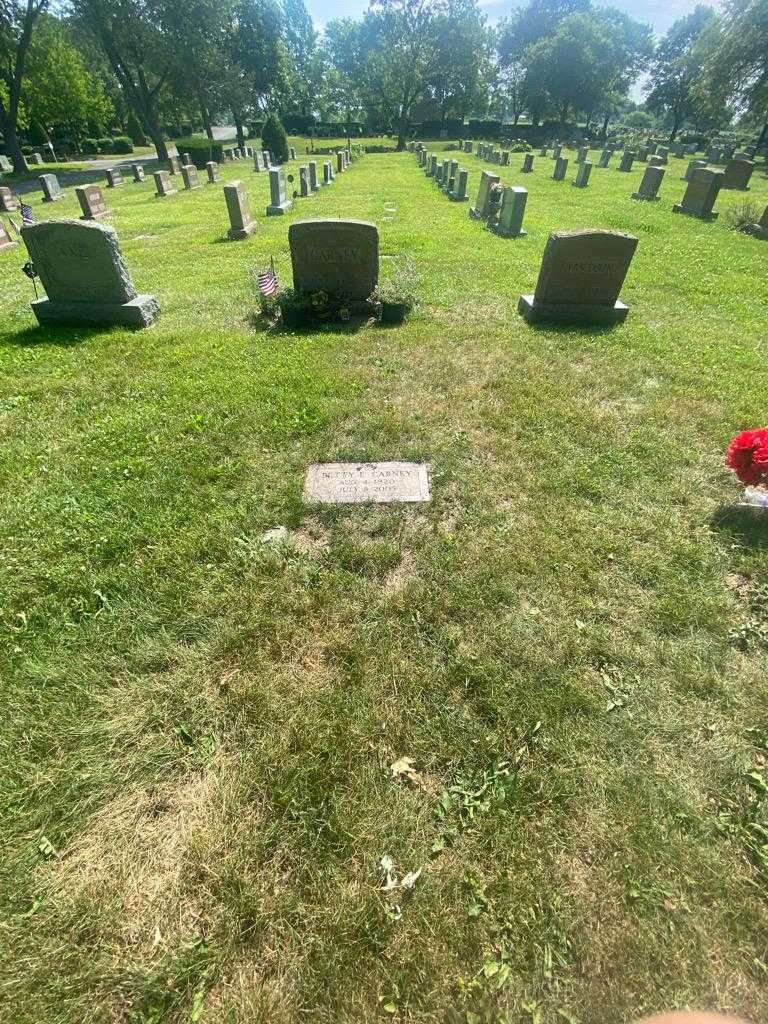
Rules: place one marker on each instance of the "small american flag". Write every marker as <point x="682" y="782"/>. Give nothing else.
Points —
<point x="27" y="216"/>
<point x="268" y="283"/>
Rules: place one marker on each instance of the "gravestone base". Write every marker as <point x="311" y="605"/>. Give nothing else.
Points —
<point x="645" y="199"/>
<point x="498" y="230"/>
<point x="138" y="312"/>
<point x="571" y="313"/>
<point x="678" y="208"/>
<point x="457" y="199"/>
<point x="238" y="234"/>
<point x="274" y="211"/>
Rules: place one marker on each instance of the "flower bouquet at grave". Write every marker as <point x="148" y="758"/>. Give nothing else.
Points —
<point x="394" y="298"/>
<point x="748" y="458"/>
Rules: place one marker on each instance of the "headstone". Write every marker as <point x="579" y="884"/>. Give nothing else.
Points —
<point x="304" y="181"/>
<point x="649" y="186"/>
<point x="692" y="166"/>
<point x="626" y="160"/>
<point x="450" y="180"/>
<point x="51" y="188"/>
<point x="163" y="184"/>
<point x="213" y="171"/>
<point x="338" y="256"/>
<point x="561" y="166"/>
<point x="742" y="156"/>
<point x="267" y="159"/>
<point x="605" y="158"/>
<point x="651" y="148"/>
<point x="258" y="162"/>
<point x="543" y="151"/>
<point x="241" y="222"/>
<point x="556" y="152"/>
<point x="504" y="157"/>
<point x="8" y="201"/>
<point x="5" y="164"/>
<point x="662" y="154"/>
<point x="582" y="175"/>
<point x="657" y="161"/>
<point x="236" y="154"/>
<point x="737" y="175"/>
<point x="527" y="164"/>
<point x="91" y="201"/>
<point x="350" y="483"/>
<point x="36" y="159"/>
<point x="510" y="220"/>
<point x="678" y="150"/>
<point x="327" y="172"/>
<point x="6" y="242"/>
<point x="459" y="193"/>
<point x="581" y="155"/>
<point x="642" y="154"/>
<point x="701" y="193"/>
<point x="138" y="172"/>
<point x="339" y="162"/>
<point x="278" y="201"/>
<point x="760" y="230"/>
<point x="227" y="154"/>
<point x="85" y="277"/>
<point x="431" y="170"/>
<point x="422" y="157"/>
<point x="189" y="174"/>
<point x="114" y="177"/>
<point x="713" y="155"/>
<point x="173" y="165"/>
<point x="480" y="210"/>
<point x="314" y="184"/>
<point x="580" y="278"/>
<point x="291" y="153"/>
<point x="444" y="174"/>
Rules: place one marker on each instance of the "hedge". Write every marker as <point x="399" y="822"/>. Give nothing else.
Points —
<point x="200" y="149"/>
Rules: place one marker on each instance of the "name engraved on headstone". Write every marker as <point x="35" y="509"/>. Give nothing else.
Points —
<point x="349" y="483"/>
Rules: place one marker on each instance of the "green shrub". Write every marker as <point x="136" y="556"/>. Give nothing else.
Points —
<point x="122" y="144"/>
<point x="105" y="145"/>
<point x="89" y="147"/>
<point x="743" y="217"/>
<point x="200" y="149"/>
<point x="274" y="139"/>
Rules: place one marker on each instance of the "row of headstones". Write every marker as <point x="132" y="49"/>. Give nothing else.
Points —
<point x="448" y="176"/>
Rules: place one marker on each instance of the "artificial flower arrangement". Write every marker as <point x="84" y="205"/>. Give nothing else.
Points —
<point x="748" y="458"/>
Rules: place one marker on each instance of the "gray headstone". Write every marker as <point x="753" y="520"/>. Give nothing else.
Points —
<point x="114" y="177"/>
<point x="582" y="154"/>
<point x="212" y="169"/>
<point x="327" y="172"/>
<point x="561" y="166"/>
<point x="314" y="184"/>
<point x="241" y="222"/>
<point x="581" y="275"/>
<point x="5" y="164"/>
<point x="85" y="277"/>
<point x="480" y="210"/>
<point x="163" y="184"/>
<point x="543" y="151"/>
<point x="432" y="166"/>
<point x="692" y="166"/>
<point x="91" y="201"/>
<point x="737" y="175"/>
<point x="527" y="164"/>
<point x="8" y="201"/>
<point x="701" y="193"/>
<point x="174" y="164"/>
<point x="504" y="157"/>
<point x="649" y="186"/>
<point x="267" y="159"/>
<point x="278" y="201"/>
<point x="189" y="175"/>
<point x="138" y="172"/>
<point x="36" y="159"/>
<point x="657" y="161"/>
<point x="350" y="483"/>
<point x="258" y="161"/>
<point x="6" y="242"/>
<point x="51" y="188"/>
<point x="556" y="152"/>
<point x="459" y="193"/>
<point x="510" y="220"/>
<point x="304" y="181"/>
<point x="186" y="160"/>
<point x="642" y="154"/>
<point x="605" y="158"/>
<point x="582" y="175"/>
<point x="627" y="158"/>
<point x="339" y="162"/>
<point x="339" y="256"/>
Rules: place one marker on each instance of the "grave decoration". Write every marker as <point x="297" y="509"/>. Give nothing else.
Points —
<point x="748" y="458"/>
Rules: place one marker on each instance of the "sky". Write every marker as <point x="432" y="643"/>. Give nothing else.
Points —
<point x="658" y="13"/>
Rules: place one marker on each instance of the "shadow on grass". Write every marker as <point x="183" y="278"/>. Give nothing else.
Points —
<point x="61" y="336"/>
<point x="259" y="323"/>
<point x="748" y="526"/>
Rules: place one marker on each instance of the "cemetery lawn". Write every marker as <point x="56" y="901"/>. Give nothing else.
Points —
<point x="199" y="725"/>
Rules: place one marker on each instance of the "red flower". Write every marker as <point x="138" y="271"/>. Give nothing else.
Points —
<point x="748" y="456"/>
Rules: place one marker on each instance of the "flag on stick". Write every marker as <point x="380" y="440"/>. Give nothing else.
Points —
<point x="267" y="279"/>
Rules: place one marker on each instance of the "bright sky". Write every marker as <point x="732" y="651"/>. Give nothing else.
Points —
<point x="659" y="13"/>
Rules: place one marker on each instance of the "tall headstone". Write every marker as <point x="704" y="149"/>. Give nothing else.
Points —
<point x="459" y="193"/>
<point x="189" y="176"/>
<point x="627" y="158"/>
<point x="701" y="193"/>
<point x="267" y="159"/>
<point x="278" y="201"/>
<point x="8" y="201"/>
<point x="693" y="165"/>
<point x="91" y="201"/>
<point x="174" y="166"/>
<point x="327" y="172"/>
<point x="480" y="210"/>
<point x="337" y="256"/>
<point x="339" y="162"/>
<point x="582" y="154"/>
<point x="138" y="173"/>
<point x="431" y="170"/>
<point x="258" y="162"/>
<point x="51" y="188"/>
<point x="504" y="157"/>
<point x="561" y="166"/>
<point x="163" y="184"/>
<point x="605" y="158"/>
<point x="213" y="171"/>
<point x="304" y="181"/>
<point x="509" y="223"/>
<point x="241" y="222"/>
<point x="85" y="277"/>
<point x="582" y="175"/>
<point x="581" y="275"/>
<point x="557" y="151"/>
<point x="186" y="160"/>
<point x="314" y="184"/>
<point x="642" y="154"/>
<point x="527" y="164"/>
<point x="649" y="186"/>
<point x="6" y="242"/>
<point x="737" y="175"/>
<point x="662" y="155"/>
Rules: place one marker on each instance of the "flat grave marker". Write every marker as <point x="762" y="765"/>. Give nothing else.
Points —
<point x="354" y="483"/>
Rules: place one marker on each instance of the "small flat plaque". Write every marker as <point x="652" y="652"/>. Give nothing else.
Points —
<point x="352" y="483"/>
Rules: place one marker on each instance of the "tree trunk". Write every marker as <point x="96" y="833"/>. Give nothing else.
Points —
<point x="205" y="116"/>
<point x="606" y="122"/>
<point x="675" y="126"/>
<point x="763" y="135"/>
<point x="13" y="148"/>
<point x="156" y="133"/>
<point x="239" y="129"/>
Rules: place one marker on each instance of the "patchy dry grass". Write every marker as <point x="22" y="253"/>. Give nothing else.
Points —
<point x="205" y="685"/>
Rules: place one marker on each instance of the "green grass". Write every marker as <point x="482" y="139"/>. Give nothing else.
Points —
<point x="198" y="728"/>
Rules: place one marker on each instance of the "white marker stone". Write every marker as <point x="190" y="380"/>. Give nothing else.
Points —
<point x="352" y="483"/>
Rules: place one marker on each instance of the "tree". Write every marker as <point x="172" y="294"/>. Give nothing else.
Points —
<point x="462" y="72"/>
<point x="734" y="54"/>
<point x="301" y="45"/>
<point x="60" y="94"/>
<point x="130" y="34"/>
<point x="274" y="139"/>
<point x="17" y="22"/>
<point x="341" y="52"/>
<point x="675" y="68"/>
